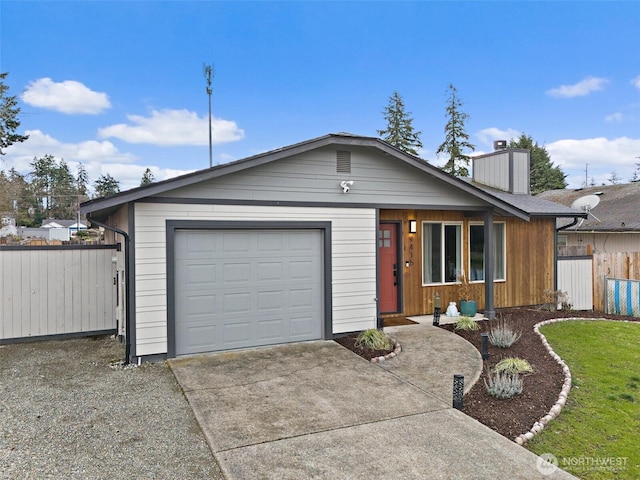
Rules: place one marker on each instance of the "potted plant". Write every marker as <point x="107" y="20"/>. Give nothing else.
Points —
<point x="468" y="306"/>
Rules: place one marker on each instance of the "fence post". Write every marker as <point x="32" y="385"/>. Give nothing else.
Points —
<point x="606" y="295"/>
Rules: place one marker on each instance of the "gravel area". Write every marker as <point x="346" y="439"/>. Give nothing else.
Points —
<point x="69" y="411"/>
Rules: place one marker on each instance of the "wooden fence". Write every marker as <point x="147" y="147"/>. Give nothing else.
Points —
<point x="56" y="290"/>
<point x="622" y="265"/>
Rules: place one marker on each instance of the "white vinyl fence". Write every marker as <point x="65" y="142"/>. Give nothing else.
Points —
<point x="56" y="290"/>
<point x="575" y="276"/>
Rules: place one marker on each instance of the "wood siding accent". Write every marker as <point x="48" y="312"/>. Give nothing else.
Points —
<point x="49" y="291"/>
<point x="353" y="261"/>
<point x="529" y="264"/>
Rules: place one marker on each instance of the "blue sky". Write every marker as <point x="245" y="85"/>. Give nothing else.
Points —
<point x="119" y="85"/>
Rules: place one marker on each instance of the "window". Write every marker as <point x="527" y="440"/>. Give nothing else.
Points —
<point x="476" y="252"/>
<point x="441" y="252"/>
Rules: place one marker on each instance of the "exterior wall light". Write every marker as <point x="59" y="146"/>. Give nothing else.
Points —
<point x="413" y="226"/>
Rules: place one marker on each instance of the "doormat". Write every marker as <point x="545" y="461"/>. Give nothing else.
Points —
<point x="398" y="321"/>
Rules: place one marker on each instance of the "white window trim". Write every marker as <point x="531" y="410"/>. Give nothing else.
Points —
<point x="442" y="272"/>
<point x="504" y="250"/>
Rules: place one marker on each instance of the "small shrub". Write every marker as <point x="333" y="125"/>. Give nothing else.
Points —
<point x="513" y="366"/>
<point x="502" y="335"/>
<point x="467" y="323"/>
<point x="503" y="385"/>
<point x="373" y="339"/>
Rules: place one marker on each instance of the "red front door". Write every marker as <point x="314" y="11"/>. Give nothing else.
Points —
<point x="388" y="267"/>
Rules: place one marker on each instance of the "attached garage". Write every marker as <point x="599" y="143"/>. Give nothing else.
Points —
<point x="247" y="288"/>
<point x="283" y="246"/>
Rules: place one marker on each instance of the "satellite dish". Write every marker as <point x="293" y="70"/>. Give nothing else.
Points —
<point x="586" y="204"/>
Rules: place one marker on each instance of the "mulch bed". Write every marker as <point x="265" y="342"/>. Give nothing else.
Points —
<point x="514" y="416"/>
<point x="348" y="341"/>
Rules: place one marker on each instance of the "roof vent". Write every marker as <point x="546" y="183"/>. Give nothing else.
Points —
<point x="343" y="162"/>
<point x="499" y="144"/>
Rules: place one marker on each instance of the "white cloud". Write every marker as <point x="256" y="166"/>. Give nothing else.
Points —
<point x="602" y="155"/>
<point x="68" y="96"/>
<point x="580" y="89"/>
<point x="98" y="158"/>
<point x="595" y="151"/>
<point x="39" y="144"/>
<point x="173" y="127"/>
<point x="614" y="117"/>
<point x="488" y="135"/>
<point x="636" y="82"/>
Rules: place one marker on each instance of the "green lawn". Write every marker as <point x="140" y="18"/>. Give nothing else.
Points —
<point x="597" y="435"/>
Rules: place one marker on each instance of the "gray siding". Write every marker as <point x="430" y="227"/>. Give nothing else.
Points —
<point x="56" y="291"/>
<point x="493" y="170"/>
<point x="506" y="170"/>
<point x="353" y="247"/>
<point x="520" y="172"/>
<point x="312" y="176"/>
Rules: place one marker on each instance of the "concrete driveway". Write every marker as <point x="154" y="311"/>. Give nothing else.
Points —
<point x="316" y="410"/>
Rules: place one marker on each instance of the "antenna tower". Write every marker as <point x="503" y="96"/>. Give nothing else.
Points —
<point x="208" y="75"/>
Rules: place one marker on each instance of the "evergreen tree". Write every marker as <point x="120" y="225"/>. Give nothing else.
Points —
<point x="614" y="178"/>
<point x="9" y="122"/>
<point x="636" y="174"/>
<point x="456" y="138"/>
<point x="82" y="180"/>
<point x="106" y="186"/>
<point x="53" y="187"/>
<point x="147" y="177"/>
<point x="543" y="174"/>
<point x="399" y="131"/>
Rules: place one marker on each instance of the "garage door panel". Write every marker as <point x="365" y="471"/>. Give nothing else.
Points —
<point x="234" y="273"/>
<point x="270" y="271"/>
<point x="237" y="334"/>
<point x="239" y="289"/>
<point x="197" y="276"/>
<point x="271" y="301"/>
<point x="301" y="327"/>
<point x="270" y="330"/>
<point x="236" y="303"/>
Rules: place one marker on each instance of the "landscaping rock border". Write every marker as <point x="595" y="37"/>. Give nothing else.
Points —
<point x="397" y="348"/>
<point x="566" y="387"/>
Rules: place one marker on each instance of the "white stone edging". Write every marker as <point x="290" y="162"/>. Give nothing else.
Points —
<point x="566" y="386"/>
<point x="397" y="348"/>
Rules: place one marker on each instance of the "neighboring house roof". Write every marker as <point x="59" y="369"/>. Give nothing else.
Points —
<point x="618" y="210"/>
<point x="58" y="223"/>
<point x="504" y="203"/>
<point x="535" y="206"/>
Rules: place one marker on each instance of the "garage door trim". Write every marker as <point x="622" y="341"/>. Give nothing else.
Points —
<point x="172" y="226"/>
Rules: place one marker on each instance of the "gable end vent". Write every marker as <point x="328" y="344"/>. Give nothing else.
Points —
<point x="343" y="162"/>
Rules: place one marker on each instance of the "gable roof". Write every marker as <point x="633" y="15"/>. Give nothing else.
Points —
<point x="502" y="203"/>
<point x="618" y="210"/>
<point x="56" y="222"/>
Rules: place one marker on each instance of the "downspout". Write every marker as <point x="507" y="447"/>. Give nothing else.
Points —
<point x="555" y="251"/>
<point x="127" y="299"/>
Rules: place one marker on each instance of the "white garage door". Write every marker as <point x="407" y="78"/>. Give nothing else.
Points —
<point x="245" y="288"/>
